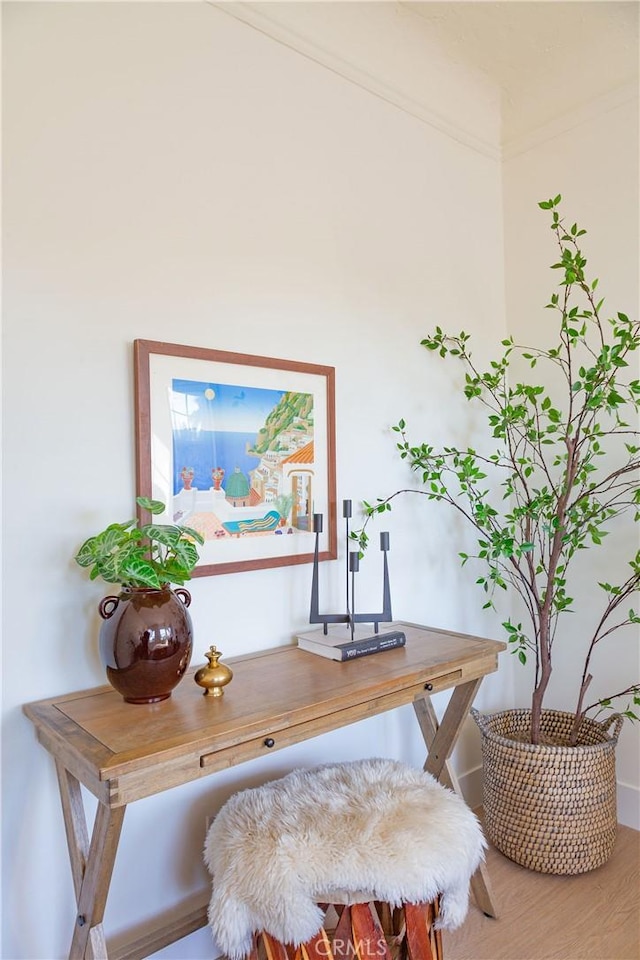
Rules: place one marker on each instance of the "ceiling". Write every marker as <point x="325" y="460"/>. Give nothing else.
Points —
<point x="562" y="53"/>
<point x="518" y="42"/>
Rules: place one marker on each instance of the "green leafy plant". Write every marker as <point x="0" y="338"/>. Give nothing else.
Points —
<point x="150" y="555"/>
<point x="567" y="462"/>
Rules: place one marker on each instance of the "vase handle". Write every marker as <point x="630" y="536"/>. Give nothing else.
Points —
<point x="184" y="595"/>
<point x="108" y="606"/>
<point x="617" y="728"/>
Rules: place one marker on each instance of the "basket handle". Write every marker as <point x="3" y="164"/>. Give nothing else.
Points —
<point x="480" y="719"/>
<point x="619" y="720"/>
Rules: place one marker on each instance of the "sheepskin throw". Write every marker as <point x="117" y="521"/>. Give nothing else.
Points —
<point x="340" y="833"/>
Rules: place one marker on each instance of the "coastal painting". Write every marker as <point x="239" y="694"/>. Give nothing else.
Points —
<point x="241" y="449"/>
<point x="243" y="459"/>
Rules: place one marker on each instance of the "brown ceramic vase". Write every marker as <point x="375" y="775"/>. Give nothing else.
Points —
<point x="146" y="641"/>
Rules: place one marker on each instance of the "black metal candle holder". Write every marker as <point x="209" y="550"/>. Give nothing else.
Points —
<point x="352" y="567"/>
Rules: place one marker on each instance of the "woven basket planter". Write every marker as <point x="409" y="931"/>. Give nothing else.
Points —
<point x="549" y="808"/>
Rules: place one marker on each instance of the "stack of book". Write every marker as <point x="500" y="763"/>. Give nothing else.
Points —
<point x="337" y="643"/>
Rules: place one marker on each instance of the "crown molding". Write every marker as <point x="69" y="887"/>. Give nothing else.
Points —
<point x="253" y="16"/>
<point x="586" y="113"/>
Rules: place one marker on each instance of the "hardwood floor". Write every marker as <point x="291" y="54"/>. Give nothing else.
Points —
<point x="594" y="916"/>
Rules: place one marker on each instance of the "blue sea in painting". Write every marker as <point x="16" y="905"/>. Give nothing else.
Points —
<point x="205" y="450"/>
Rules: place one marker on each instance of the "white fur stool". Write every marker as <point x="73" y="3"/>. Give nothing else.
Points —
<point x="367" y="833"/>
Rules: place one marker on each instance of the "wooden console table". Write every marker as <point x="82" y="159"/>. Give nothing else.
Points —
<point x="123" y="752"/>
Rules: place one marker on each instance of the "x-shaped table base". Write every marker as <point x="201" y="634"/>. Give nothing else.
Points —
<point x="440" y="739"/>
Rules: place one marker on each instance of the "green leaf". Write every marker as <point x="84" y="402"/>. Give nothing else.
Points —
<point x="86" y="554"/>
<point x="162" y="533"/>
<point x="186" y="554"/>
<point x="140" y="571"/>
<point x="109" y="570"/>
<point x="153" y="506"/>
<point x="190" y="532"/>
<point x="176" y="573"/>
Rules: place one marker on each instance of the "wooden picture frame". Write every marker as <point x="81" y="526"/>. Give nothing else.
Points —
<point x="241" y="448"/>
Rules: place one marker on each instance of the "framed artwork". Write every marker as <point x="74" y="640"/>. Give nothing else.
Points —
<point x="240" y="448"/>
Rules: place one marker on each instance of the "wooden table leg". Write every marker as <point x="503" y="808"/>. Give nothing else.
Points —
<point x="91" y="865"/>
<point x="440" y="739"/>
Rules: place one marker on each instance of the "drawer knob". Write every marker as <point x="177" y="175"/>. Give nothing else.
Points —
<point x="428" y="686"/>
<point x="269" y="742"/>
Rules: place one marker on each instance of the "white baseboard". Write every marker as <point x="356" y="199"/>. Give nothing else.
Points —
<point x="629" y="805"/>
<point x="628" y="797"/>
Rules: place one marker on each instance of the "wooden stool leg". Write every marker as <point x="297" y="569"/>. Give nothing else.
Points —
<point x="385" y="916"/>
<point x="274" y="950"/>
<point x="393" y="926"/>
<point x="400" y="933"/>
<point x="342" y="943"/>
<point x="423" y="942"/>
<point x="436" y="935"/>
<point x="368" y="935"/>
<point x="318" y="948"/>
<point x="255" y="953"/>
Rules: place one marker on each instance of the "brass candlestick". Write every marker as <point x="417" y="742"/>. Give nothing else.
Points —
<point x="215" y="675"/>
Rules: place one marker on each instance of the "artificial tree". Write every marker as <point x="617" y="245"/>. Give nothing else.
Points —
<point x="566" y="459"/>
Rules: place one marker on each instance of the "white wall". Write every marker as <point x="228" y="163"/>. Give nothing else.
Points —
<point x="592" y="160"/>
<point x="173" y="174"/>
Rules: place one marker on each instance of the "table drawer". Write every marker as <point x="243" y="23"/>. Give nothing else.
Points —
<point x="277" y="739"/>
